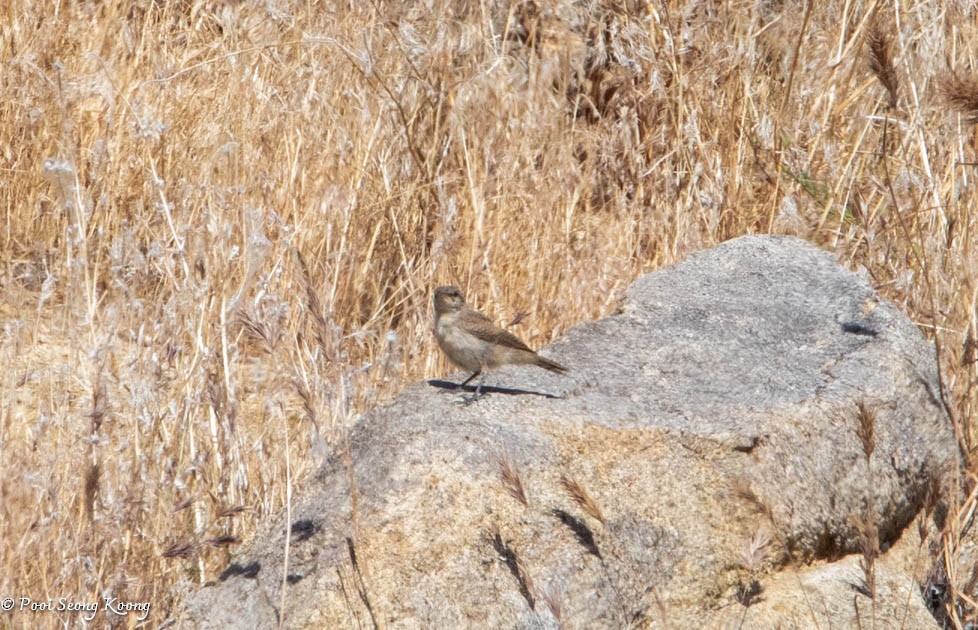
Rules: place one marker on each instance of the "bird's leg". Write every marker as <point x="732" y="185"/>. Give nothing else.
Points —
<point x="469" y="379"/>
<point x="478" y="390"/>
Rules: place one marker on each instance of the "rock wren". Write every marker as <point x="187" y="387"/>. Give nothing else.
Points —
<point x="474" y="343"/>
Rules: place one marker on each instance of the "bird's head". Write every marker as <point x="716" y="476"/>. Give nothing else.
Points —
<point x="448" y="300"/>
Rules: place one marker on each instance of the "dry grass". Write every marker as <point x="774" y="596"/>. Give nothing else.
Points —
<point x="221" y="223"/>
<point x="582" y="498"/>
<point x="512" y="480"/>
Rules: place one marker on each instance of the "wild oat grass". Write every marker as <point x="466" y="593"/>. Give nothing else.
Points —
<point x="222" y="222"/>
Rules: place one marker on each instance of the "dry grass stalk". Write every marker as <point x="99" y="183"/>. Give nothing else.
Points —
<point x="755" y="552"/>
<point x="582" y="498"/>
<point x="960" y="92"/>
<point x="869" y="544"/>
<point x="91" y="489"/>
<point x="93" y="472"/>
<point x="867" y="525"/>
<point x="511" y="479"/>
<point x="970" y="347"/>
<point x="230" y="512"/>
<point x="880" y="43"/>
<point x="742" y="489"/>
<point x="223" y="541"/>
<point x="866" y="428"/>
<point x="518" y="319"/>
<point x="752" y="557"/>
<point x="185" y="550"/>
<point x="932" y="503"/>
<point x="267" y="332"/>
<point x="315" y="308"/>
<point x="553" y="596"/>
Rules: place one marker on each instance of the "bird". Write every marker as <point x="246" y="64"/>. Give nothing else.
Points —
<point x="474" y="343"/>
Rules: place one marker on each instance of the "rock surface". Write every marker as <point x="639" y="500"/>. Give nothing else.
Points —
<point x="703" y="462"/>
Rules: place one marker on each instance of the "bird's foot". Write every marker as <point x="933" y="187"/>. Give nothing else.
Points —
<point x="465" y="401"/>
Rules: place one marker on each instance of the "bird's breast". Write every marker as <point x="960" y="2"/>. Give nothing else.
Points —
<point x="462" y="347"/>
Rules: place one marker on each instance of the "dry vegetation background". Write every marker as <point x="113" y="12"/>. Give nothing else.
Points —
<point x="222" y="222"/>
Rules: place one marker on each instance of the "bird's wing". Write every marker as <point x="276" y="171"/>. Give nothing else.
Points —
<point x="482" y="327"/>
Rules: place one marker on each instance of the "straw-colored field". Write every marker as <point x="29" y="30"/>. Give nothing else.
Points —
<point x="222" y="222"/>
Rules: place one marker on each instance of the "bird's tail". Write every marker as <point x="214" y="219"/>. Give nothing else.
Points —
<point x="547" y="364"/>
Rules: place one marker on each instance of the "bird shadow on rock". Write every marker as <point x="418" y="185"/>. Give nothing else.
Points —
<point x="487" y="389"/>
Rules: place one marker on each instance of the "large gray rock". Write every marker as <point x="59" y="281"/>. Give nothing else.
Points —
<point x="719" y="410"/>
